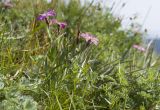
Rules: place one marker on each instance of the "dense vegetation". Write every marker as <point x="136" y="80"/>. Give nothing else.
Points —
<point x="45" y="67"/>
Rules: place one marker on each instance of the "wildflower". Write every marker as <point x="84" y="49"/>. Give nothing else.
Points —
<point x="53" y="21"/>
<point x="89" y="38"/>
<point x="140" y="48"/>
<point x="7" y="4"/>
<point x="46" y="14"/>
<point x="62" y="25"/>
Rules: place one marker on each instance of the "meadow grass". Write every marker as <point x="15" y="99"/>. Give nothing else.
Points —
<point x="43" y="67"/>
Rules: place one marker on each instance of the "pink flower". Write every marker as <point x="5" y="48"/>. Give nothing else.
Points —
<point x="62" y="25"/>
<point x="89" y="38"/>
<point x="53" y="21"/>
<point x="8" y="4"/>
<point x="140" y="48"/>
<point x="46" y="14"/>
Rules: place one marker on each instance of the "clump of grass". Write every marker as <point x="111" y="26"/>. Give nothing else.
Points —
<point x="48" y="67"/>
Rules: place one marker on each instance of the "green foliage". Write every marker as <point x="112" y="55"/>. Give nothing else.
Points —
<point x="49" y="69"/>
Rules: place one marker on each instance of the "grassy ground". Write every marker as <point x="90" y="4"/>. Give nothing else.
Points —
<point x="48" y="68"/>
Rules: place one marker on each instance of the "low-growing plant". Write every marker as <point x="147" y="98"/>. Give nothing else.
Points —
<point x="69" y="56"/>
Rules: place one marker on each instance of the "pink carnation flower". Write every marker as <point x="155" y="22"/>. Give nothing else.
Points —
<point x="90" y="38"/>
<point x="62" y="25"/>
<point x="46" y="14"/>
<point x="140" y="48"/>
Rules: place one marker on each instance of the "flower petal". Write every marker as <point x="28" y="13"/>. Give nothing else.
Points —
<point x="140" y="48"/>
<point x="90" y="38"/>
<point x="46" y="14"/>
<point x="53" y="21"/>
<point x="62" y="25"/>
<point x="41" y="17"/>
<point x="50" y="13"/>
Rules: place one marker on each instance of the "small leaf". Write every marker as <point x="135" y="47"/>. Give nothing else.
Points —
<point x="30" y="105"/>
<point x="1" y="85"/>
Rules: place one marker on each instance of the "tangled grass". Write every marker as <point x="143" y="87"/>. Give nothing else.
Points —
<point x="43" y="67"/>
